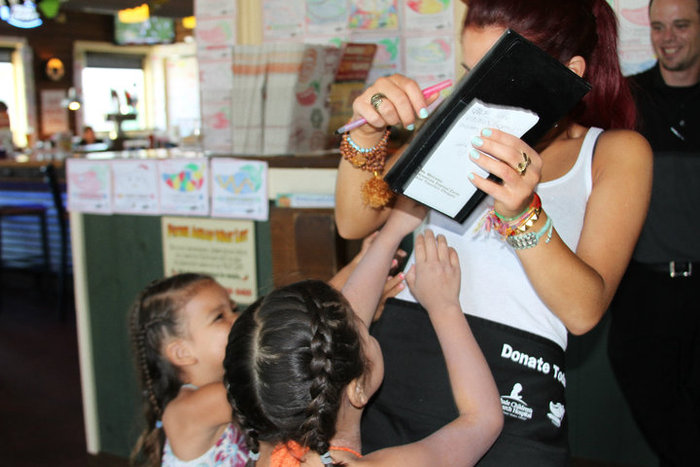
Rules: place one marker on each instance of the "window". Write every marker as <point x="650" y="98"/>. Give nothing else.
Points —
<point x="113" y="84"/>
<point x="7" y="75"/>
<point x="12" y="92"/>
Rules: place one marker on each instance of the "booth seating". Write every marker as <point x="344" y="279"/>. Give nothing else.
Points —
<point x="34" y="230"/>
<point x="14" y="251"/>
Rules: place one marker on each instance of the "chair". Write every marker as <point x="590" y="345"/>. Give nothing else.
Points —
<point x="51" y="178"/>
<point x="14" y="253"/>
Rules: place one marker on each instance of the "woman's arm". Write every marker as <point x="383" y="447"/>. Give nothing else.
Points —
<point x="402" y="105"/>
<point x="435" y="281"/>
<point x="578" y="286"/>
<point x="355" y="219"/>
<point x="615" y="213"/>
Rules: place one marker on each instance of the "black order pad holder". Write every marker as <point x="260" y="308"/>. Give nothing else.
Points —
<point x="513" y="73"/>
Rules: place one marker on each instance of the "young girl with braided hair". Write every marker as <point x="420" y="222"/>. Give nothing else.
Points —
<point x="179" y="331"/>
<point x="300" y="364"/>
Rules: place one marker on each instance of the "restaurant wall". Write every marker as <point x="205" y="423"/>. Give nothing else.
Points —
<point x="55" y="38"/>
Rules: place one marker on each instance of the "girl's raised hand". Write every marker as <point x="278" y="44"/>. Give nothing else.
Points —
<point x="514" y="162"/>
<point x="434" y="279"/>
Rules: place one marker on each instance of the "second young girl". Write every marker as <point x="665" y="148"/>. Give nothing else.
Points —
<point x="301" y="365"/>
<point x="179" y="329"/>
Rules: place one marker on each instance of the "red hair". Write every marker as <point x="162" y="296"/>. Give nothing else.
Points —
<point x="564" y="29"/>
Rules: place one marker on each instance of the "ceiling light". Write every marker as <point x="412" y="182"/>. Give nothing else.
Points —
<point x="137" y="14"/>
<point x="189" y="22"/>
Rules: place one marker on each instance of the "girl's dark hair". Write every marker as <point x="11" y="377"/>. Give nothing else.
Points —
<point x="290" y="356"/>
<point x="564" y="29"/>
<point x="153" y="318"/>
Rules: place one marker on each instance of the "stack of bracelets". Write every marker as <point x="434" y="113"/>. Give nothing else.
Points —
<point x="375" y="192"/>
<point x="516" y="230"/>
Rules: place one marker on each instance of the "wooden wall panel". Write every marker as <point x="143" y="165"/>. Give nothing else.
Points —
<point x="306" y="245"/>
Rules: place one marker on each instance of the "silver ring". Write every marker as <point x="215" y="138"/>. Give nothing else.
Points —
<point x="376" y="100"/>
<point x="522" y="166"/>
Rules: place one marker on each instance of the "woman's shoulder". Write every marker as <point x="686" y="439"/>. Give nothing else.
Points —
<point x="622" y="144"/>
<point x="623" y="151"/>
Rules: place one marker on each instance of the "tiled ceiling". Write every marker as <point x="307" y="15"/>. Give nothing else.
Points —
<point x="169" y="8"/>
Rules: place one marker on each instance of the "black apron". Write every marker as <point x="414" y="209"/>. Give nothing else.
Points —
<point x="416" y="400"/>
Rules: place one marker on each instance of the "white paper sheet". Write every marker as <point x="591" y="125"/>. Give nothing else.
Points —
<point x="184" y="186"/>
<point x="135" y="187"/>
<point x="442" y="181"/>
<point x="89" y="186"/>
<point x="239" y="189"/>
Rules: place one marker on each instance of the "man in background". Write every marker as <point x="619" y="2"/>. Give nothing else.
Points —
<point x="654" y="335"/>
<point x="6" y="146"/>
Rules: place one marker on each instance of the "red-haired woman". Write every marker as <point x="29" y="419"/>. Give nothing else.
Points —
<point x="581" y="196"/>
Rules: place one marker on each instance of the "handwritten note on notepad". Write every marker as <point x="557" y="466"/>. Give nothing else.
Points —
<point x="442" y="180"/>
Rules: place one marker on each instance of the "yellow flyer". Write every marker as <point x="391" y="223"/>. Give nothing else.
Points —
<point x="222" y="248"/>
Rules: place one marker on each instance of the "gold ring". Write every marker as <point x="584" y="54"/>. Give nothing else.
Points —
<point x="522" y="166"/>
<point x="376" y="100"/>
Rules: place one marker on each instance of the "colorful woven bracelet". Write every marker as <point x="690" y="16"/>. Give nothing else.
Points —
<point x="375" y="192"/>
<point x="507" y="226"/>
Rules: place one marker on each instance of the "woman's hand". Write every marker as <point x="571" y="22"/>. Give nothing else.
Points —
<point x="402" y="103"/>
<point x="509" y="162"/>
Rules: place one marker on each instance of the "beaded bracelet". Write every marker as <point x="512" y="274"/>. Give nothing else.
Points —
<point x="531" y="239"/>
<point x="508" y="226"/>
<point x="375" y="192"/>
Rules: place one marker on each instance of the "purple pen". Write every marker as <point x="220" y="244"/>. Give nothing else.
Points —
<point x="427" y="92"/>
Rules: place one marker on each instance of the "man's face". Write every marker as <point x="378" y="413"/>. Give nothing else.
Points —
<point x="675" y="34"/>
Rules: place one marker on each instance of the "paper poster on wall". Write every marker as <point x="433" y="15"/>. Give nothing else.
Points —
<point x="374" y="15"/>
<point x="239" y="188"/>
<point x="209" y="8"/>
<point x="636" y="53"/>
<point x="222" y="248"/>
<point x="430" y="60"/>
<point x="217" y="127"/>
<point x="184" y="186"/>
<point x="215" y="68"/>
<point x="215" y="31"/>
<point x="428" y="15"/>
<point x="327" y="17"/>
<point x="89" y="186"/>
<point x="387" y="58"/>
<point x="135" y="187"/>
<point x="54" y="117"/>
<point x="283" y="19"/>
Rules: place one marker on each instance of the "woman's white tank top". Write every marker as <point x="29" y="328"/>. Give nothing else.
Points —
<point x="494" y="285"/>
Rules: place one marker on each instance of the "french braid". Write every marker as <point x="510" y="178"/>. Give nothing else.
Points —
<point x="289" y="358"/>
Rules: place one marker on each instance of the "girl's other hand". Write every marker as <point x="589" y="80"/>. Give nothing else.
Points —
<point x="434" y="279"/>
<point x="394" y="285"/>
